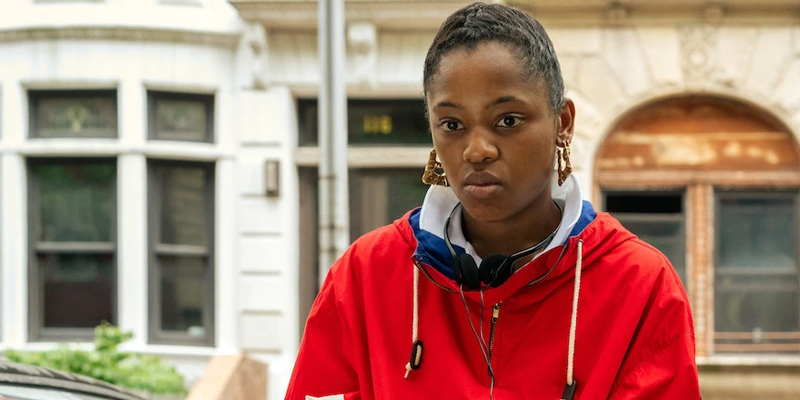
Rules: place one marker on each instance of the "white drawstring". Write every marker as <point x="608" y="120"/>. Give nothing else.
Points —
<point x="572" y="327"/>
<point x="415" y="326"/>
<point x="573" y="323"/>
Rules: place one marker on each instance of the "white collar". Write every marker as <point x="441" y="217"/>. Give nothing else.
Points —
<point x="440" y="201"/>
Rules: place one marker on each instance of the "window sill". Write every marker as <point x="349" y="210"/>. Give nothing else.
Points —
<point x="765" y="360"/>
<point x="151" y="349"/>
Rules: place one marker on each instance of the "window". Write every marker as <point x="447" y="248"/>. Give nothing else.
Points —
<point x="379" y="196"/>
<point x="72" y="231"/>
<point x="757" y="308"/>
<point x="73" y="113"/>
<point x="181" y="116"/>
<point x="181" y="231"/>
<point x="372" y="122"/>
<point x="656" y="218"/>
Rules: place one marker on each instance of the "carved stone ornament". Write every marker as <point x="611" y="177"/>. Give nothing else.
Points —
<point x="698" y="52"/>
<point x="362" y="43"/>
<point x="257" y="41"/>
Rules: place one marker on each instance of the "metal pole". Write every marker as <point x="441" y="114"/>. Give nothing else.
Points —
<point x="334" y="218"/>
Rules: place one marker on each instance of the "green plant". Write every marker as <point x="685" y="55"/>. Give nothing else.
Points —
<point x="106" y="363"/>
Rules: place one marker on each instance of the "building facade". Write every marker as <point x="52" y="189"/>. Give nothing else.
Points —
<point x="159" y="164"/>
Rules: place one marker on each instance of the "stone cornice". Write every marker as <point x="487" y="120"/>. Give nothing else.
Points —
<point x="122" y="34"/>
<point x="382" y="13"/>
<point x="429" y="14"/>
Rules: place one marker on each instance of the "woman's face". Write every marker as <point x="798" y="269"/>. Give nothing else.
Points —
<point x="494" y="130"/>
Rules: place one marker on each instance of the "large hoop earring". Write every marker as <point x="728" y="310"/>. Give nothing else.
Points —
<point x="564" y="170"/>
<point x="434" y="174"/>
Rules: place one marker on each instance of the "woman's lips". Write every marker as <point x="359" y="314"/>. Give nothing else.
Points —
<point x="482" y="192"/>
<point x="482" y="185"/>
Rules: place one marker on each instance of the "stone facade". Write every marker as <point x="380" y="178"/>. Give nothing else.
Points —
<point x="259" y="58"/>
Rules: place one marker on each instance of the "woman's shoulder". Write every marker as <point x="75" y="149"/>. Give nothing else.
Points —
<point x="630" y="254"/>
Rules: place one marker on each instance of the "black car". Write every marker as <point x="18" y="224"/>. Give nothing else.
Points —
<point x="26" y="382"/>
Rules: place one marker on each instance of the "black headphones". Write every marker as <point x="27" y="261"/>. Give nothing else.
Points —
<point x="495" y="269"/>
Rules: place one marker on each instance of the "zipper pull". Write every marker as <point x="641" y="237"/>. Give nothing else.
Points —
<point x="496" y="312"/>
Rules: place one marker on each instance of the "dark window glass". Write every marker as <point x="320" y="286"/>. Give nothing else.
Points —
<point x="181" y="116"/>
<point x="379" y="196"/>
<point x="183" y="205"/>
<point x="656" y="218"/>
<point x="73" y="246"/>
<point x="76" y="202"/>
<point x="78" y="289"/>
<point x="73" y="114"/>
<point x="183" y="294"/>
<point x="181" y="256"/>
<point x="376" y="122"/>
<point x="757" y="308"/>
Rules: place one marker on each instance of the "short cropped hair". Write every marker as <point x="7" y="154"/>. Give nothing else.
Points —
<point x="480" y="22"/>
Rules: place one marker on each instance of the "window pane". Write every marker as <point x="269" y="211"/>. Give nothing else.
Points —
<point x="400" y="121"/>
<point x="379" y="196"/>
<point x="181" y="119"/>
<point x="665" y="235"/>
<point x="74" y="114"/>
<point x="184" y="287"/>
<point x="656" y="218"/>
<point x="756" y="308"/>
<point x="76" y="201"/>
<point x="78" y="289"/>
<point x="183" y="205"/>
<point x="757" y="232"/>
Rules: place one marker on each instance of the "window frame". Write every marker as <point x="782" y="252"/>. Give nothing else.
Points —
<point x="723" y="193"/>
<point x="680" y="191"/>
<point x="35" y="95"/>
<point x="208" y="100"/>
<point x="37" y="332"/>
<point x="155" y="333"/>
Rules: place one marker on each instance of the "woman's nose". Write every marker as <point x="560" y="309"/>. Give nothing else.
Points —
<point x="480" y="147"/>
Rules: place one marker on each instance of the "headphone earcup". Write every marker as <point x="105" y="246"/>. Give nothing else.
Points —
<point x="468" y="271"/>
<point x="494" y="271"/>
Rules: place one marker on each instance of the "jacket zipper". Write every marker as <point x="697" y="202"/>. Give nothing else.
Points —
<point x="558" y="261"/>
<point x="430" y="278"/>
<point x="495" y="318"/>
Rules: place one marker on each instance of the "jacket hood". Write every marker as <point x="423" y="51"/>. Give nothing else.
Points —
<point x="599" y="234"/>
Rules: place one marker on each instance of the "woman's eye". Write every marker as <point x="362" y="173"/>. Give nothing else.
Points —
<point x="450" y="126"/>
<point x="509" y="122"/>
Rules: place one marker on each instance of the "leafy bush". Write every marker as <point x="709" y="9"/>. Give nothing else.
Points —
<point x="128" y="370"/>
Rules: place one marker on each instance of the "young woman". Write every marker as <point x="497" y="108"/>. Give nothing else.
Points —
<point x="505" y="284"/>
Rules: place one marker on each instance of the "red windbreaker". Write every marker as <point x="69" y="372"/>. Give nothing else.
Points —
<point x="634" y="334"/>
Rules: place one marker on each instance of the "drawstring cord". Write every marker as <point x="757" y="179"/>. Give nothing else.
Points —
<point x="569" y="389"/>
<point x="416" y="345"/>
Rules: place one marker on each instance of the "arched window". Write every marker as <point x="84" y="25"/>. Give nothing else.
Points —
<point x="714" y="183"/>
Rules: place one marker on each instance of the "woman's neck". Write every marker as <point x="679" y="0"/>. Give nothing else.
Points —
<point x="518" y="232"/>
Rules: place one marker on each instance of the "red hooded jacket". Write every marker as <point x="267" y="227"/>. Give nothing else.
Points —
<point x="634" y="334"/>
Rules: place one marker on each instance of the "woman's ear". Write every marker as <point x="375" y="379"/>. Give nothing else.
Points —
<point x="566" y="122"/>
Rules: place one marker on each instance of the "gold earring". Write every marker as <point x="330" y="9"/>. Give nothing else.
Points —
<point x="563" y="173"/>
<point x="434" y="174"/>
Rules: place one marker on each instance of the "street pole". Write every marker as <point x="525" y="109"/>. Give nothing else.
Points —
<point x="334" y="230"/>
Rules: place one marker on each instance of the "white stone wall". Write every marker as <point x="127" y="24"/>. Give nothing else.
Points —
<point x="130" y="46"/>
<point x="268" y="242"/>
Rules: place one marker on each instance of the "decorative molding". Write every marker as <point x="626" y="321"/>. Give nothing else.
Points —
<point x="303" y="13"/>
<point x="698" y="52"/>
<point x="430" y="13"/>
<point x="230" y="40"/>
<point x="362" y="41"/>
<point x="371" y="157"/>
<point x="714" y="13"/>
<point x="256" y="38"/>
<point x="617" y="15"/>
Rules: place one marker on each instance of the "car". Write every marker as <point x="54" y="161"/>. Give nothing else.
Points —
<point x="27" y="382"/>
